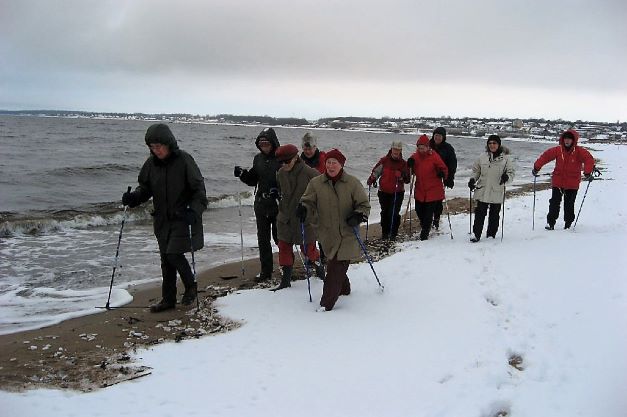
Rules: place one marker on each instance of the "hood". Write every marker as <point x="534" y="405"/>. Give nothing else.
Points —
<point x="438" y="130"/>
<point x="575" y="136"/>
<point x="161" y="133"/>
<point x="270" y="135"/>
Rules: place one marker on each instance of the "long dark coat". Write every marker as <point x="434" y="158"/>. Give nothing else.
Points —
<point x="174" y="184"/>
<point x="263" y="176"/>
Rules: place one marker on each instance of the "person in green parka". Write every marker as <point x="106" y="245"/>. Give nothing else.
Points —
<point x="171" y="177"/>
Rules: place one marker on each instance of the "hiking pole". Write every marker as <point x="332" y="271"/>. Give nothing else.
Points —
<point x="368" y="222"/>
<point x="191" y="245"/>
<point x="503" y="216"/>
<point x="470" y="202"/>
<point x="241" y="232"/>
<point x="596" y="173"/>
<point x="448" y="215"/>
<point x="363" y="248"/>
<point x="408" y="208"/>
<point x="393" y="210"/>
<point x="302" y="232"/>
<point x="117" y="253"/>
<point x="533" y="219"/>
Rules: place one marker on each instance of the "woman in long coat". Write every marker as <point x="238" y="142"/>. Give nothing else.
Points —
<point x="490" y="174"/>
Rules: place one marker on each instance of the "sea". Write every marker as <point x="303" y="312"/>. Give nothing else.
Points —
<point x="62" y="179"/>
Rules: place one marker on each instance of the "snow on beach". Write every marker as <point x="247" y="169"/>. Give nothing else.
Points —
<point x="437" y="342"/>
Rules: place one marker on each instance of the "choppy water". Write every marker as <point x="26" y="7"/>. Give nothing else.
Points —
<point x="61" y="181"/>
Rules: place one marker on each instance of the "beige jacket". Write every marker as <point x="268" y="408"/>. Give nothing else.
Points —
<point x="487" y="172"/>
<point x="332" y="204"/>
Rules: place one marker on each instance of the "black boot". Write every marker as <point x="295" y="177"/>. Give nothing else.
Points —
<point x="263" y="276"/>
<point x="162" y="305"/>
<point x="320" y="273"/>
<point x="475" y="239"/>
<point x="285" y="279"/>
<point x="190" y="294"/>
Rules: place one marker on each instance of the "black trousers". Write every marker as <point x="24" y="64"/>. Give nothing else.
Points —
<point x="389" y="227"/>
<point x="569" y="206"/>
<point x="437" y="212"/>
<point x="493" y="219"/>
<point x="171" y="263"/>
<point x="425" y="215"/>
<point x="266" y="230"/>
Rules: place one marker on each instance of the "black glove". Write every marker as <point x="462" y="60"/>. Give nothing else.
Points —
<point x="274" y="193"/>
<point x="189" y="216"/>
<point x="411" y="162"/>
<point x="355" y="218"/>
<point x="534" y="172"/>
<point x="237" y="171"/>
<point x="301" y="212"/>
<point x="471" y="183"/>
<point x="441" y="174"/>
<point x="130" y="199"/>
<point x="504" y="178"/>
<point x="588" y="177"/>
<point x="449" y="182"/>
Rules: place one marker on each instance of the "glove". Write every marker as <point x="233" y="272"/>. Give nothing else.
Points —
<point x="588" y="177"/>
<point x="371" y="180"/>
<point x="449" y="182"/>
<point x="130" y="199"/>
<point x="534" y="172"/>
<point x="355" y="218"/>
<point x="301" y="212"/>
<point x="440" y="174"/>
<point x="411" y="162"/>
<point x="188" y="215"/>
<point x="471" y="183"/>
<point x="238" y="171"/>
<point x="504" y="178"/>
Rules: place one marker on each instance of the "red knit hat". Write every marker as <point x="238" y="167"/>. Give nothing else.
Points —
<point x="336" y="154"/>
<point x="423" y="140"/>
<point x="286" y="152"/>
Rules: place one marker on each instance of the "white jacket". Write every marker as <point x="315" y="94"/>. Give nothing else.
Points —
<point x="487" y="172"/>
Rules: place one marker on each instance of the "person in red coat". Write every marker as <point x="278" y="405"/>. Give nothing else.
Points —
<point x="392" y="173"/>
<point x="430" y="170"/>
<point x="569" y="159"/>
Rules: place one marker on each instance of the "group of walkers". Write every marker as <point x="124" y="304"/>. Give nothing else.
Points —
<point x="304" y="197"/>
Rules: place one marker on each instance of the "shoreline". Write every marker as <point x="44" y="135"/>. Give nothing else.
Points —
<point x="94" y="351"/>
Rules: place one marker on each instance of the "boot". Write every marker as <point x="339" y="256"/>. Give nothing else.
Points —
<point x="436" y="223"/>
<point x="475" y="239"/>
<point x="261" y="277"/>
<point x="190" y="294"/>
<point x="549" y="227"/>
<point x="285" y="279"/>
<point x="162" y="305"/>
<point x="567" y="225"/>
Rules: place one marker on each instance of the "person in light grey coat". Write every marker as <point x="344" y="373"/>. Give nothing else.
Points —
<point x="491" y="173"/>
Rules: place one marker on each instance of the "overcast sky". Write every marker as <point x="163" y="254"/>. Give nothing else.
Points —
<point x="316" y="58"/>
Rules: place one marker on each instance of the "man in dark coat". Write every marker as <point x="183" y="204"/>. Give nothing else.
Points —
<point x="447" y="153"/>
<point x="171" y="177"/>
<point x="262" y="175"/>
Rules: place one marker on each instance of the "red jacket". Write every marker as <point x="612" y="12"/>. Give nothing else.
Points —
<point x="429" y="186"/>
<point x="392" y="174"/>
<point x="317" y="161"/>
<point x="568" y="163"/>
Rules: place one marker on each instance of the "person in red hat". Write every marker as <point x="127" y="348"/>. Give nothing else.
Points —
<point x="340" y="203"/>
<point x="430" y="171"/>
<point x="293" y="178"/>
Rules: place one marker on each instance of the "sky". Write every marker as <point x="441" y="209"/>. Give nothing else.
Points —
<point x="399" y="58"/>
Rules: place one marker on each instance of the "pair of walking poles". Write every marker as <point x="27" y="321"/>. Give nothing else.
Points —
<point x="117" y="258"/>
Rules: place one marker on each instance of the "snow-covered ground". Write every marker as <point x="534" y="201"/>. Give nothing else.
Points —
<point x="437" y="342"/>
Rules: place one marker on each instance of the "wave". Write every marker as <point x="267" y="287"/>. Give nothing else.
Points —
<point x="95" y="215"/>
<point x="92" y="170"/>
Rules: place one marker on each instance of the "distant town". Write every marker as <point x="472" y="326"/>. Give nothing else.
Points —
<point x="456" y="126"/>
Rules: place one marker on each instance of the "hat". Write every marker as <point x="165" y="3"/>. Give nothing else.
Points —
<point x="336" y="154"/>
<point x="286" y="152"/>
<point x="268" y="134"/>
<point x="440" y="131"/>
<point x="397" y="144"/>
<point x="423" y="140"/>
<point x="309" y="140"/>
<point x="495" y="138"/>
<point x="160" y="133"/>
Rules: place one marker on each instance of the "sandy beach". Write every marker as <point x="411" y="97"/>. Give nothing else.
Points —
<point x="92" y="352"/>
